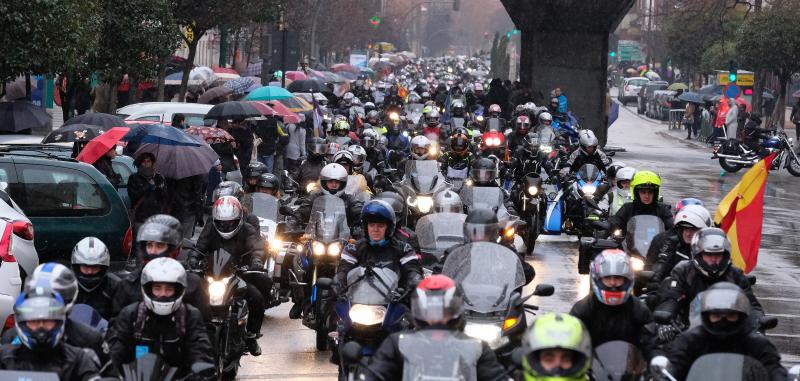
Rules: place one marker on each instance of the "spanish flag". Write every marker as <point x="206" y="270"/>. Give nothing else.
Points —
<point x="741" y="213"/>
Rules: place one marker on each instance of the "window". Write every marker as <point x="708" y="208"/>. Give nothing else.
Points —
<point x="149" y="118"/>
<point x="194" y="119"/>
<point x="123" y="170"/>
<point x="56" y="191"/>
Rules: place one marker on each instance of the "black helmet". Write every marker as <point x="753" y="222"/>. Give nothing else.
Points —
<point x="269" y="181"/>
<point x="255" y="169"/>
<point x="158" y="232"/>
<point x="481" y="225"/>
<point x="484" y="170"/>
<point x="316" y="148"/>
<point x="710" y="241"/>
<point x="730" y="309"/>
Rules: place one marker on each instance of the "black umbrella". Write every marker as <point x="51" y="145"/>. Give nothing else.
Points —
<point x="307" y="86"/>
<point x="107" y="121"/>
<point x="233" y="110"/>
<point x="73" y="132"/>
<point x="22" y="115"/>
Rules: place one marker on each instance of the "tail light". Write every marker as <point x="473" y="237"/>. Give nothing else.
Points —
<point x="5" y="245"/>
<point x="23" y="229"/>
<point x="127" y="242"/>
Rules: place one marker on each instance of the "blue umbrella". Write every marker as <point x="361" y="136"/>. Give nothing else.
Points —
<point x="692" y="97"/>
<point x="269" y="93"/>
<point x="157" y="134"/>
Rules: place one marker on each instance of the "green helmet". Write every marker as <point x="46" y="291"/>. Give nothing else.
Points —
<point x="645" y="180"/>
<point x="426" y="110"/>
<point x="341" y="125"/>
<point x="557" y="331"/>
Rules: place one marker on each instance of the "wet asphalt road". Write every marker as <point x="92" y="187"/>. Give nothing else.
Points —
<point x="687" y="171"/>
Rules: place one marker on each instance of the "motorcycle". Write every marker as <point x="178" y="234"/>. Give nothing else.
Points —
<point x="715" y="367"/>
<point x="327" y="232"/>
<point x="618" y="361"/>
<point x="86" y="314"/>
<point x="640" y="232"/>
<point x="567" y="127"/>
<point x="493" y="198"/>
<point x="369" y="311"/>
<point x="151" y="367"/>
<point x="733" y="156"/>
<point x="587" y="202"/>
<point x="421" y="183"/>
<point x="228" y="312"/>
<point x="437" y="233"/>
<point x="492" y="278"/>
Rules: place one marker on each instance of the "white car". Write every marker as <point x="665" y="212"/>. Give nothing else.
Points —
<point x="18" y="255"/>
<point x="629" y="89"/>
<point x="162" y="112"/>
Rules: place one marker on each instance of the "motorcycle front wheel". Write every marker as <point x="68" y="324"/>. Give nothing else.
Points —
<point x="533" y="232"/>
<point x="792" y="165"/>
<point x="729" y="167"/>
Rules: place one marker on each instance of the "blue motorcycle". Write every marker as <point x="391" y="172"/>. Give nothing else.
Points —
<point x="567" y="127"/>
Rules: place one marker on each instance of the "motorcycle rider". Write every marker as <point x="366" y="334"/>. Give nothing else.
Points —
<point x="545" y="120"/>
<point x="710" y="264"/>
<point x="456" y="161"/>
<point x="341" y="134"/>
<point x="309" y="170"/>
<point x="359" y="157"/>
<point x="611" y="312"/>
<point x="431" y="127"/>
<point x="420" y="148"/>
<point x="457" y="112"/>
<point x="271" y="185"/>
<point x="252" y="173"/>
<point x="645" y="187"/>
<point x="332" y="181"/>
<point x="587" y="153"/>
<point x="375" y="154"/>
<point x="556" y="347"/>
<point x="753" y="134"/>
<point x="380" y="246"/>
<point x="39" y="321"/>
<point x="725" y="328"/>
<point x="402" y="232"/>
<point x="161" y="323"/>
<point x="674" y="245"/>
<point x="436" y="305"/>
<point x="448" y="202"/>
<point x="229" y="231"/>
<point x="483" y="173"/>
<point x="620" y="193"/>
<point x="90" y="262"/>
<point x="516" y="139"/>
<point x="397" y="144"/>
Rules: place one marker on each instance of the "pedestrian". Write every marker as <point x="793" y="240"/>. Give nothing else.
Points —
<point x="732" y="119"/>
<point x="179" y="121"/>
<point x="242" y="132"/>
<point x="296" y="146"/>
<point x="187" y="201"/>
<point x="562" y="101"/>
<point x="147" y="189"/>
<point x="103" y="164"/>
<point x="688" y="118"/>
<point x="795" y="118"/>
<point x="225" y="151"/>
<point x="268" y="133"/>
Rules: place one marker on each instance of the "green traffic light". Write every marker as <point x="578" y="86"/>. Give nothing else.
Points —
<point x="278" y="74"/>
<point x="508" y="34"/>
<point x="732" y="77"/>
<point x="612" y="54"/>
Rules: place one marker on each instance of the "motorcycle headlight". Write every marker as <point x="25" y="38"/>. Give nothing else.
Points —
<point x="318" y="248"/>
<point x="479" y="118"/>
<point x="394" y="116"/>
<point x="492" y="334"/>
<point x="310" y="187"/>
<point x="588" y="189"/>
<point x="367" y="315"/>
<point x="533" y="191"/>
<point x="275" y="244"/>
<point x="433" y="150"/>
<point x="405" y="133"/>
<point x="334" y="249"/>
<point x="509" y="232"/>
<point x="545" y="149"/>
<point x="637" y="264"/>
<point x="424" y="204"/>
<point x="216" y="291"/>
<point x="617" y="233"/>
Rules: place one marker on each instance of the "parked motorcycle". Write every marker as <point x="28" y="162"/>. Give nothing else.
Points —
<point x="733" y="155"/>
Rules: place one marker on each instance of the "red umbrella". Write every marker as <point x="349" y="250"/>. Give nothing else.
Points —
<point x="283" y="111"/>
<point x="211" y="135"/>
<point x="98" y="146"/>
<point x="741" y="101"/>
<point x="296" y="75"/>
<point x="344" y="67"/>
<point x="263" y="108"/>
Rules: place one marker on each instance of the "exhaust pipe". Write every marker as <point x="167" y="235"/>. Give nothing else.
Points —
<point x="739" y="161"/>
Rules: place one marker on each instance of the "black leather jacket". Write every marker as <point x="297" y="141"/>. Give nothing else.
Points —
<point x="103" y="297"/>
<point x="396" y="255"/>
<point x="69" y="362"/>
<point x="625" y="322"/>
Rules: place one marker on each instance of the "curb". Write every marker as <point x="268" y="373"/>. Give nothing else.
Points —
<point x="689" y="143"/>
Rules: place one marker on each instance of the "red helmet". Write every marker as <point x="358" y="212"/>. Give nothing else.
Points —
<point x="437" y="301"/>
<point x="495" y="108"/>
<point x="523" y="124"/>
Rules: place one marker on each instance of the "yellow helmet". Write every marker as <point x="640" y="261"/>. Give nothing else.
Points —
<point x="557" y="331"/>
<point x="645" y="180"/>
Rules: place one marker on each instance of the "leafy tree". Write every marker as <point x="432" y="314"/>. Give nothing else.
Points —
<point x="717" y="56"/>
<point x="770" y="40"/>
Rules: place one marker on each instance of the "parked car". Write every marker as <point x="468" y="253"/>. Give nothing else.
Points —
<point x="162" y="112"/>
<point x="663" y="102"/>
<point x="629" y="89"/>
<point x="65" y="200"/>
<point x="18" y="255"/>
<point x="646" y="95"/>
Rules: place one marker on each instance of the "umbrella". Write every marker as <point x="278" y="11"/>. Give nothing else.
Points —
<point x="268" y="93"/>
<point x="263" y="108"/>
<point x="747" y="106"/>
<point x="174" y="79"/>
<point x="295" y="75"/>
<point x="368" y="72"/>
<point x="347" y="75"/>
<point x="653" y="76"/>
<point x="233" y="110"/>
<point x="203" y="74"/>
<point x="210" y="135"/>
<point x="344" y="67"/>
<point x="283" y="111"/>
<point x="239" y="86"/>
<point x="156" y="134"/>
<point x="678" y="86"/>
<point x="22" y="115"/>
<point x="106" y="121"/>
<point x="225" y="73"/>
<point x="214" y="94"/>
<point x="16" y="89"/>
<point x="767" y="95"/>
<point x="254" y="69"/>
<point x="692" y="97"/>
<point x="307" y="86"/>
<point x="178" y="162"/>
<point x="98" y="146"/>
<point x="73" y="132"/>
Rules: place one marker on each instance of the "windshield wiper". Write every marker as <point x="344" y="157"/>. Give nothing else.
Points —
<point x="502" y="296"/>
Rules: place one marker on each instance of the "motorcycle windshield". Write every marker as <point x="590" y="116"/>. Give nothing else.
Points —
<point x="372" y="288"/>
<point x="148" y="367"/>
<point x="414" y="108"/>
<point x="589" y="173"/>
<point x="328" y="220"/>
<point x="424" y="174"/>
<point x="33" y="376"/>
<point x="424" y="359"/>
<point x="481" y="198"/>
<point x="341" y="140"/>
<point x="262" y="205"/>
<point x="86" y="314"/>
<point x="493" y="124"/>
<point x="546" y="136"/>
<point x="220" y="264"/>
<point x="726" y="367"/>
<point x="640" y="232"/>
<point x="618" y="361"/>
<point x="488" y="273"/>
<point x="440" y="231"/>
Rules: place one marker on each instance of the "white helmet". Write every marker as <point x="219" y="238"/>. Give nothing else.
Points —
<point x="344" y="157"/>
<point x="54" y="277"/>
<point x="545" y="116"/>
<point x="359" y="154"/>
<point x="530" y="106"/>
<point x="693" y="215"/>
<point x="228" y="216"/>
<point x="625" y="173"/>
<point x="335" y="172"/>
<point x="448" y="202"/>
<point x="420" y="141"/>
<point x="90" y="251"/>
<point x="587" y="139"/>
<point x="348" y="97"/>
<point x="163" y="270"/>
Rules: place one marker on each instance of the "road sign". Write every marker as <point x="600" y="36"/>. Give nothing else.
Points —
<point x="732" y="91"/>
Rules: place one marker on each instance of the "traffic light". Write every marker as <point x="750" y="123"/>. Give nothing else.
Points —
<point x="278" y="74"/>
<point x="508" y="35"/>
<point x="612" y="54"/>
<point x="375" y="21"/>
<point x="456" y="5"/>
<point x="732" y="71"/>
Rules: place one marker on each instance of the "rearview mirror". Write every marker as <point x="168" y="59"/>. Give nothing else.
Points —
<point x="767" y="322"/>
<point x="543" y="289"/>
<point x="751" y="279"/>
